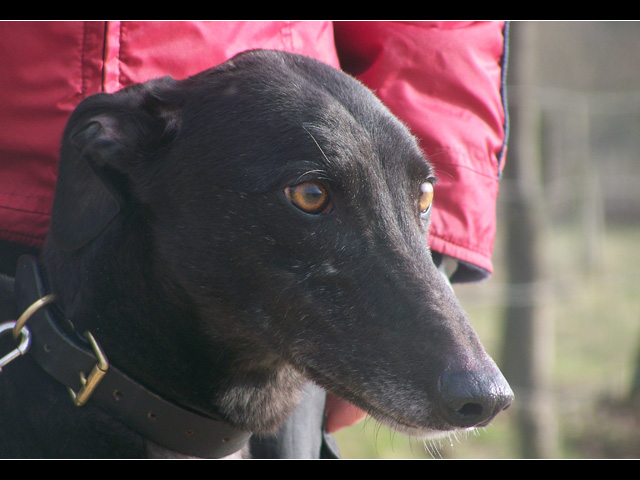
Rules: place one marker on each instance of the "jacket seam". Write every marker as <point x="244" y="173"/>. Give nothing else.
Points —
<point x="24" y="210"/>
<point x="83" y="61"/>
<point x="503" y="94"/>
<point x="473" y="248"/>
<point x="461" y="165"/>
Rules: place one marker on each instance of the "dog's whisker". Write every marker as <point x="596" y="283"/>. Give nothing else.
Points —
<point x="432" y="449"/>
<point x="377" y="428"/>
<point x="316" y="142"/>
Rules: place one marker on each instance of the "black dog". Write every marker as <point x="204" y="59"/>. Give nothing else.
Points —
<point x="225" y="239"/>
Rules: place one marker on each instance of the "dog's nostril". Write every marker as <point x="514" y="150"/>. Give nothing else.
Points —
<point x="470" y="410"/>
<point x="469" y="399"/>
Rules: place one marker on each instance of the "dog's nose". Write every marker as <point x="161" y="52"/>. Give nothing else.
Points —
<point x="472" y="398"/>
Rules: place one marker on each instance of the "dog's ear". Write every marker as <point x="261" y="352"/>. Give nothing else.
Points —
<point x="107" y="140"/>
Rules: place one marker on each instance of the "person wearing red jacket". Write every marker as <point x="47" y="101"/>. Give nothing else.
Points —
<point x="444" y="80"/>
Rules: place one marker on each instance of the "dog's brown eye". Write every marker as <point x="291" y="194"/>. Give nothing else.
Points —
<point x="310" y="197"/>
<point x="426" y="197"/>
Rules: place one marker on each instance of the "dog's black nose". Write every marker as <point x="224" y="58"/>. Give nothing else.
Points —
<point x="471" y="398"/>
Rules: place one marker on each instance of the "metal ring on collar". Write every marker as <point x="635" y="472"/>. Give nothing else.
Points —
<point x="26" y="315"/>
<point x="22" y="347"/>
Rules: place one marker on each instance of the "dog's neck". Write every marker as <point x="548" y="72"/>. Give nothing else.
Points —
<point x="154" y="333"/>
<point x="62" y="354"/>
<point x="124" y="310"/>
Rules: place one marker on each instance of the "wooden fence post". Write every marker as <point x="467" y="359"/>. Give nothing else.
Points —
<point x="528" y="340"/>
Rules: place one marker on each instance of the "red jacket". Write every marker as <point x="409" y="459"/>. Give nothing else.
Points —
<point x="443" y="79"/>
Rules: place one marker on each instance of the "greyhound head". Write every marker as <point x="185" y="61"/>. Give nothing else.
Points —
<point x="259" y="224"/>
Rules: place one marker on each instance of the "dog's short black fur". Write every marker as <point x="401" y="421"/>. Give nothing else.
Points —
<point x="177" y="241"/>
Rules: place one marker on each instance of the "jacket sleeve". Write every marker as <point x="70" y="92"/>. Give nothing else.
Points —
<point x="445" y="81"/>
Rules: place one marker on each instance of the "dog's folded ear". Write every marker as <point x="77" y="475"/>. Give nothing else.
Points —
<point x="101" y="155"/>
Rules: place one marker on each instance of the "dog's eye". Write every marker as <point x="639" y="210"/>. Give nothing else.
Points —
<point x="426" y="197"/>
<point x="310" y="197"/>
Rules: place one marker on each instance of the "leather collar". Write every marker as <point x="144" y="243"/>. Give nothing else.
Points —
<point x="162" y="422"/>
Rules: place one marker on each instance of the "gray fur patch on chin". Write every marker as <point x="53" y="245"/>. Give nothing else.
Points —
<point x="261" y="401"/>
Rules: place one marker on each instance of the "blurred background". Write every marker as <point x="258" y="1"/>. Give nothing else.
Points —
<point x="561" y="314"/>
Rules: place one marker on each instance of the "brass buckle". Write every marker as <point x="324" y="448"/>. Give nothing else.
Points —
<point x="90" y="383"/>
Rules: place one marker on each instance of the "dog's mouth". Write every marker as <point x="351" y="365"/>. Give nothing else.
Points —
<point x="342" y="414"/>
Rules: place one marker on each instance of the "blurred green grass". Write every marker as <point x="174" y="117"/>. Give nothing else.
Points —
<point x="596" y="316"/>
